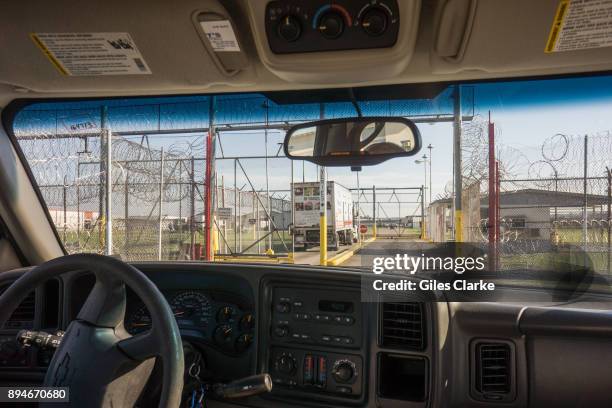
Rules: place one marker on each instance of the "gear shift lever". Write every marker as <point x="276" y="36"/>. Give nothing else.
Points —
<point x="245" y="387"/>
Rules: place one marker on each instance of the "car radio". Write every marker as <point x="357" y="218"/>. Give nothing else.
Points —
<point x="318" y="317"/>
<point x="316" y="336"/>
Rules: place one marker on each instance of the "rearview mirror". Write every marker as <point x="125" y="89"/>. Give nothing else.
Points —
<point x="352" y="142"/>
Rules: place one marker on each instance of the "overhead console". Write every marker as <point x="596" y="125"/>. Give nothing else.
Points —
<point x="354" y="41"/>
<point x="309" y="26"/>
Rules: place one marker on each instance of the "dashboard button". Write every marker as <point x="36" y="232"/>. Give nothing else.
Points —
<point x="338" y="319"/>
<point x="281" y="331"/>
<point x="344" y="390"/>
<point x="283" y="307"/>
<point x="348" y="320"/>
<point x="298" y="303"/>
<point x="325" y="338"/>
<point x="347" y="340"/>
<point x="308" y="369"/>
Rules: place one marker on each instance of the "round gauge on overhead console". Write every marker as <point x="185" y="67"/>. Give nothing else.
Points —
<point x="289" y="28"/>
<point x="374" y="21"/>
<point x="331" y="25"/>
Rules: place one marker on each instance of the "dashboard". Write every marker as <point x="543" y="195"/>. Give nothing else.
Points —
<point x="324" y="346"/>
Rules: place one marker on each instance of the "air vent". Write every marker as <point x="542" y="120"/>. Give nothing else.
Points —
<point x="494" y="371"/>
<point x="402" y="326"/>
<point x="23" y="316"/>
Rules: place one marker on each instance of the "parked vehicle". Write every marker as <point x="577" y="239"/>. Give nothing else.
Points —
<point x="307" y="199"/>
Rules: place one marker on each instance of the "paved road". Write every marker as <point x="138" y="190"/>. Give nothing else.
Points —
<point x="384" y="247"/>
<point x="311" y="257"/>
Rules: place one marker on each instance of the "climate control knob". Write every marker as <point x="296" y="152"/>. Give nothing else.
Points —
<point x="285" y="364"/>
<point x="289" y="28"/>
<point x="344" y="371"/>
<point x="331" y="25"/>
<point x="374" y="22"/>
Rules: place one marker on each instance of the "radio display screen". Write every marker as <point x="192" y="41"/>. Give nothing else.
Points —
<point x="335" y="306"/>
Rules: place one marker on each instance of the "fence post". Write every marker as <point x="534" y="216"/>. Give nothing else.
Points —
<point x="126" y="202"/>
<point x="65" y="209"/>
<point x="235" y="208"/>
<point x="457" y="163"/>
<point x="584" y="211"/>
<point x="192" y="214"/>
<point x="323" y="218"/>
<point x="423" y="212"/>
<point x="109" y="192"/>
<point x="609" y="174"/>
<point x="374" y="211"/>
<point x="239" y="221"/>
<point x="161" y="201"/>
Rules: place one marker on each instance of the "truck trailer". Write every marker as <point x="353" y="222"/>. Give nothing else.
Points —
<point x="306" y="208"/>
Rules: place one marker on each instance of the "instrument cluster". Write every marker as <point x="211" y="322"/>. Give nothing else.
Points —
<point x="202" y="316"/>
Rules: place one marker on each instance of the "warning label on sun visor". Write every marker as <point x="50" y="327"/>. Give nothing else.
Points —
<point x="581" y="25"/>
<point x="221" y="35"/>
<point x="92" y="54"/>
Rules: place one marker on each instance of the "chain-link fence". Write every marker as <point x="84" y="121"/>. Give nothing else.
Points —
<point x="394" y="213"/>
<point x="159" y="172"/>
<point x="157" y="198"/>
<point x="560" y="199"/>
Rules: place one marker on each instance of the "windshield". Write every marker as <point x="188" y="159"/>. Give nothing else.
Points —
<point x="205" y="178"/>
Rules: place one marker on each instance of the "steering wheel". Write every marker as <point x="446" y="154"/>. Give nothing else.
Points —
<point x="97" y="359"/>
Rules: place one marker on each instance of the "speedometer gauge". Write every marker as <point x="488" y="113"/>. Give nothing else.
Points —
<point x="139" y="321"/>
<point x="191" y="309"/>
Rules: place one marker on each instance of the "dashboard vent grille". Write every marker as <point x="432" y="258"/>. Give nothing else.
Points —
<point x="402" y="325"/>
<point x="23" y="316"/>
<point x="493" y="369"/>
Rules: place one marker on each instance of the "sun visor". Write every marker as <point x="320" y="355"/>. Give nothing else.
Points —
<point x="454" y="23"/>
<point x="221" y="39"/>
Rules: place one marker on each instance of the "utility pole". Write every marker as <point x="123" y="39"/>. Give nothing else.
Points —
<point x="458" y="216"/>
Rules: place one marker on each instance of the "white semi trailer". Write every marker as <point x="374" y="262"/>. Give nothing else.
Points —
<point x="306" y="207"/>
